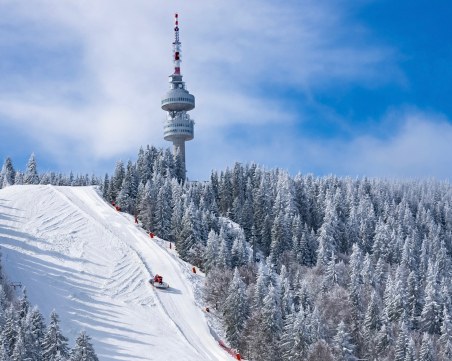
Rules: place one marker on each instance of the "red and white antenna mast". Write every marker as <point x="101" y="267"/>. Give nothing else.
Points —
<point x="176" y="45"/>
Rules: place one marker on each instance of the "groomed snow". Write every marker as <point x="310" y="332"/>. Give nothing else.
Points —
<point x="74" y="253"/>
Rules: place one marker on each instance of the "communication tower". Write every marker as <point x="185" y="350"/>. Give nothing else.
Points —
<point x="178" y="128"/>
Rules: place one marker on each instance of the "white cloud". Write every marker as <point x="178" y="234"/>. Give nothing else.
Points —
<point x="419" y="148"/>
<point x="108" y="103"/>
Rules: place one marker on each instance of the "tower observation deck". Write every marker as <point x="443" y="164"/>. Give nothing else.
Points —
<point x="178" y="127"/>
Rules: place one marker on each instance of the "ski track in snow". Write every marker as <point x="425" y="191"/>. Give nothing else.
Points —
<point x="74" y="253"/>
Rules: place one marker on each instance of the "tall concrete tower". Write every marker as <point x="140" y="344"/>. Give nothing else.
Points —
<point x="177" y="102"/>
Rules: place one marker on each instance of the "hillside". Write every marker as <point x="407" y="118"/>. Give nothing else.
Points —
<point x="76" y="254"/>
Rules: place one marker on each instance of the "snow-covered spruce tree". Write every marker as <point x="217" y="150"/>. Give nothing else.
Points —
<point x="446" y="336"/>
<point x="427" y="352"/>
<point x="331" y="277"/>
<point x="8" y="174"/>
<point x="128" y="190"/>
<point x="410" y="354"/>
<point x="55" y="345"/>
<point x="36" y="330"/>
<point x="224" y="254"/>
<point x="401" y="345"/>
<point x="4" y="350"/>
<point x="11" y="328"/>
<point x="431" y="313"/>
<point x="163" y="209"/>
<point x="287" y="297"/>
<point x="235" y="310"/>
<point x="295" y="340"/>
<point x="19" y="352"/>
<point x="328" y="235"/>
<point x="415" y="299"/>
<point x="2" y="307"/>
<point x="116" y="181"/>
<point x="83" y="349"/>
<point x="212" y="249"/>
<point x="271" y="324"/>
<point x="239" y="252"/>
<point x="190" y="231"/>
<point x="105" y="186"/>
<point x="147" y="208"/>
<point x="372" y="324"/>
<point x="261" y="285"/>
<point x="31" y="174"/>
<point x="343" y="345"/>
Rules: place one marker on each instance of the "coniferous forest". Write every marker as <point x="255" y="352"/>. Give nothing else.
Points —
<point x="304" y="267"/>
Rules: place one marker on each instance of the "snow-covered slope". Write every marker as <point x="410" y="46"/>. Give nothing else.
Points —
<point x="76" y="254"/>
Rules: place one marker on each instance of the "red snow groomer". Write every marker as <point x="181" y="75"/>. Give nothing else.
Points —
<point x="157" y="281"/>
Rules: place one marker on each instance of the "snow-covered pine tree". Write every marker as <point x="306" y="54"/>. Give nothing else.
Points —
<point x="163" y="209"/>
<point x="3" y="304"/>
<point x="343" y="344"/>
<point x="330" y="278"/>
<point x="236" y="310"/>
<point x="287" y="298"/>
<point x="271" y="326"/>
<point x="224" y="254"/>
<point x="19" y="352"/>
<point x="410" y="351"/>
<point x="36" y="329"/>
<point x="11" y="328"/>
<point x="212" y="249"/>
<point x="116" y="181"/>
<point x="4" y="350"/>
<point x="83" y="349"/>
<point x="261" y="285"/>
<point x="189" y="231"/>
<point x="54" y="345"/>
<point x="401" y="345"/>
<point x="431" y="313"/>
<point x="128" y="190"/>
<point x="446" y="336"/>
<point x="385" y="337"/>
<point x="328" y="235"/>
<point x="8" y="174"/>
<point x="31" y="174"/>
<point x="380" y="246"/>
<point x="239" y="252"/>
<point x="372" y="320"/>
<point x="427" y="352"/>
<point x="414" y="300"/>
<point x="147" y="208"/>
<point x="294" y="339"/>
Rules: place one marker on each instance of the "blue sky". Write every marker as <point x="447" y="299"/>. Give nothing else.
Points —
<point x="353" y="88"/>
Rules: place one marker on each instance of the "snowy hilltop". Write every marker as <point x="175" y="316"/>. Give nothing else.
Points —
<point x="75" y="253"/>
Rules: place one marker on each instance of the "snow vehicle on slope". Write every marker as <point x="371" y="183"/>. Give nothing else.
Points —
<point x="157" y="281"/>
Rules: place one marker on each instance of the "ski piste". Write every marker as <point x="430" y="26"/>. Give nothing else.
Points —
<point x="76" y="254"/>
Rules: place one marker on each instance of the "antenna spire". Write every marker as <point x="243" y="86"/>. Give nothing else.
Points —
<point x="176" y="45"/>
